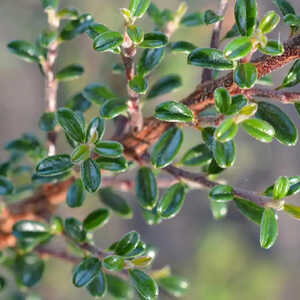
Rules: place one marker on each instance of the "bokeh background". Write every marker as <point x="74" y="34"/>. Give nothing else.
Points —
<point x="222" y="260"/>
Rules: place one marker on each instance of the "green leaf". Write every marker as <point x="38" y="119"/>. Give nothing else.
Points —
<point x="251" y="210"/>
<point x="54" y="165"/>
<point x="96" y="29"/>
<point x="154" y="40"/>
<point x="174" y="285"/>
<point x="146" y="188"/>
<point x="172" y="201"/>
<point x="47" y="121"/>
<point x="210" y="58"/>
<point x="165" y="85"/>
<point x="75" y="230"/>
<point x="292" y="210"/>
<point x="222" y="100"/>
<point x="285" y="7"/>
<point x="294" y="187"/>
<point x="50" y="4"/>
<point x="226" y="131"/>
<point x="118" y="164"/>
<point x="139" y="84"/>
<point x="208" y="137"/>
<point x="171" y="111"/>
<point x="29" y="269"/>
<point x="135" y="33"/>
<point x="31" y="230"/>
<point x="210" y="17"/>
<point x="269" y="22"/>
<point x="6" y="186"/>
<point x="80" y="154"/>
<point x="238" y="102"/>
<point x="149" y="60"/>
<point x="109" y="149"/>
<point x="182" y="47"/>
<point x="2" y="283"/>
<point x="238" y="48"/>
<point x="98" y="286"/>
<point x="259" y="129"/>
<point x="268" y="228"/>
<point x="68" y="13"/>
<point x="144" y="284"/>
<point x="119" y="288"/>
<point x="152" y="217"/>
<point x="86" y="271"/>
<point x="194" y="19"/>
<point x="98" y="93"/>
<point x="96" y="219"/>
<point x="24" y="50"/>
<point x="281" y="187"/>
<point x="78" y="103"/>
<point x="70" y="72"/>
<point x="224" y="153"/>
<point x="197" y="156"/>
<point x="245" y="12"/>
<point x="221" y="193"/>
<point x="273" y="48"/>
<point x="114" y="263"/>
<point x="90" y="175"/>
<point x="219" y="209"/>
<point x="95" y="130"/>
<point x="108" y="41"/>
<point x="71" y="123"/>
<point x="112" y="108"/>
<point x="167" y="147"/>
<point x="116" y="203"/>
<point x="76" y="195"/>
<point x="47" y="37"/>
<point x="128" y="243"/>
<point x="139" y="7"/>
<point x="285" y="131"/>
<point x="246" y="113"/>
<point x="293" y="76"/>
<point x="292" y="20"/>
<point x="245" y="75"/>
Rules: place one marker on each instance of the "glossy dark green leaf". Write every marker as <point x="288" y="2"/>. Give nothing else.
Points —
<point x="167" y="147"/>
<point x="149" y="60"/>
<point x="268" y="228"/>
<point x="114" y="263"/>
<point x="80" y="154"/>
<point x="245" y="75"/>
<point x="292" y="210"/>
<point x="86" y="271"/>
<point x="98" y="93"/>
<point x="96" y="219"/>
<point x="238" y="48"/>
<point x="70" y="72"/>
<point x="285" y="7"/>
<point x="108" y="41"/>
<point x="194" y="19"/>
<point x="118" y="164"/>
<point x="210" y="17"/>
<point x="115" y="202"/>
<point x="98" y="286"/>
<point x="95" y="130"/>
<point x="109" y="149"/>
<point x="152" y="217"/>
<point x="245" y="12"/>
<point x="71" y="123"/>
<point x="31" y="230"/>
<point x="219" y="209"/>
<point x="293" y="76"/>
<point x="269" y="22"/>
<point x="208" y="137"/>
<point x="29" y="269"/>
<point x="226" y="131"/>
<point x="165" y="85"/>
<point x="294" y="187"/>
<point x="174" y="285"/>
<point x="119" y="288"/>
<point x="74" y="228"/>
<point x="182" y="47"/>
<point x="292" y="20"/>
<point x="238" y="102"/>
<point x="281" y="187"/>
<point x="54" y="165"/>
<point x="285" y="131"/>
<point x="171" y="111"/>
<point x="47" y="121"/>
<point x="154" y="40"/>
<point x="224" y="153"/>
<point x="210" y="58"/>
<point x="146" y="188"/>
<point x="139" y="7"/>
<point x="172" y="201"/>
<point x="5" y="168"/>
<point x="259" y="129"/>
<point x="96" y="29"/>
<point x="90" y="175"/>
<point x="144" y="284"/>
<point x="221" y="193"/>
<point x="24" y="50"/>
<point x="139" y="84"/>
<point x="135" y="33"/>
<point x="197" y="156"/>
<point x="128" y="243"/>
<point x="251" y="210"/>
<point x="222" y="100"/>
<point x="76" y="195"/>
<point x="6" y="186"/>
<point x="47" y="37"/>
<point x="138" y="251"/>
<point x="112" y="108"/>
<point x="78" y="103"/>
<point x="273" y="48"/>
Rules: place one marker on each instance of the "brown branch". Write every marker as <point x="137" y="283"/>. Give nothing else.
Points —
<point x="215" y="38"/>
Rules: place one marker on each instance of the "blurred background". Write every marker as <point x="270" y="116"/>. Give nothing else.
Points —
<point x="221" y="259"/>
